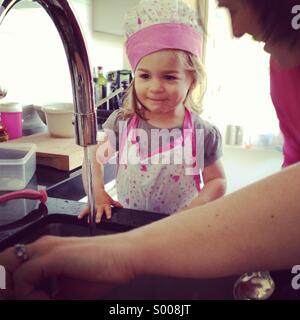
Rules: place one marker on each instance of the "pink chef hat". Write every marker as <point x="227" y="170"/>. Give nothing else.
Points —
<point x="156" y="25"/>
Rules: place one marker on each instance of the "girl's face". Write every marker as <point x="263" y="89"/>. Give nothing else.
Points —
<point x="161" y="82"/>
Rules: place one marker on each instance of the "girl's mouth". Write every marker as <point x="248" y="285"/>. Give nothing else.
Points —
<point x="157" y="100"/>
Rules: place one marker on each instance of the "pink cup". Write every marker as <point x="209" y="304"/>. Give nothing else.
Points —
<point x="11" y="117"/>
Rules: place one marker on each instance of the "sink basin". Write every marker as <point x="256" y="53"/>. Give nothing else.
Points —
<point x="63" y="225"/>
<point x="72" y="188"/>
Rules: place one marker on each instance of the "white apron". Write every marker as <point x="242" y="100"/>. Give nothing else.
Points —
<point x="148" y="182"/>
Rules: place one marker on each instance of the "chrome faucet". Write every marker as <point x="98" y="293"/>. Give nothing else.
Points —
<point x="85" y="116"/>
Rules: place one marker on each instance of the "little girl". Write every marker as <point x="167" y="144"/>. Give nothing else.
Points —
<point x="163" y="45"/>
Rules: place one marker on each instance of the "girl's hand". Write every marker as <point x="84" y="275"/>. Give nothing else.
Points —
<point x="103" y="203"/>
<point x="68" y="268"/>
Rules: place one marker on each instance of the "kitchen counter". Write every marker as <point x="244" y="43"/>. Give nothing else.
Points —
<point x="21" y="218"/>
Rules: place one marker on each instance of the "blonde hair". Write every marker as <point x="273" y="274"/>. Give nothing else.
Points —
<point x="193" y="100"/>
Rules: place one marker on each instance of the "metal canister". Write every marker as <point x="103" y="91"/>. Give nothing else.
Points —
<point x="231" y="135"/>
<point x="239" y="135"/>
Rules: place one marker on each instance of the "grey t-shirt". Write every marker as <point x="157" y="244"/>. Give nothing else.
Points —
<point x="211" y="143"/>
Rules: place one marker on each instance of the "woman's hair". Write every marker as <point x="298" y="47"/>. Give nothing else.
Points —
<point x="193" y="100"/>
<point x="275" y="17"/>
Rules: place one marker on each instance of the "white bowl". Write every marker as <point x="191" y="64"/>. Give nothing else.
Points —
<point x="59" y="117"/>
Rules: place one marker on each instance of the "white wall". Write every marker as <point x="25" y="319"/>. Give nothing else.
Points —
<point x="107" y="51"/>
<point x="245" y="166"/>
<point x="104" y="49"/>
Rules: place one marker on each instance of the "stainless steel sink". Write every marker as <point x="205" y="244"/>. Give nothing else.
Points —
<point x="62" y="225"/>
<point x="63" y="230"/>
<point x="72" y="188"/>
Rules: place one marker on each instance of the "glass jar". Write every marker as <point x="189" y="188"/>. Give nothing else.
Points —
<point x="3" y="134"/>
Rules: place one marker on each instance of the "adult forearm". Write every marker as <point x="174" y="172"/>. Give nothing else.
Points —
<point x="254" y="228"/>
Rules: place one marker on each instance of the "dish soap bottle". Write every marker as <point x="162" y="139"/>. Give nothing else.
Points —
<point x="95" y="85"/>
<point x="102" y="84"/>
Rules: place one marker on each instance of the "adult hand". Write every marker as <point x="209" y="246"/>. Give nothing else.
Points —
<point x="79" y="268"/>
<point x="103" y="203"/>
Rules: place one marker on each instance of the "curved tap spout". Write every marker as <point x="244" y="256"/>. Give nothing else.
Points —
<point x="66" y="23"/>
<point x="75" y="48"/>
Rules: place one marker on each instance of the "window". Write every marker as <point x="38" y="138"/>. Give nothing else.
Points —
<point x="238" y="90"/>
<point x="33" y="63"/>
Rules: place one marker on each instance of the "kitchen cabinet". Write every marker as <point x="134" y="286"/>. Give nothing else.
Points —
<point x="108" y="15"/>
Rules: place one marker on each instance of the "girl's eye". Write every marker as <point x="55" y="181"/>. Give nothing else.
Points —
<point x="169" y="77"/>
<point x="144" y="76"/>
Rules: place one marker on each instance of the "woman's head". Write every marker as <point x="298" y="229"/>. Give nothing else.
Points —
<point x="269" y="21"/>
<point x="165" y="80"/>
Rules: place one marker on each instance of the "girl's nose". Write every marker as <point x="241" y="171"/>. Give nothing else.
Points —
<point x="156" y="85"/>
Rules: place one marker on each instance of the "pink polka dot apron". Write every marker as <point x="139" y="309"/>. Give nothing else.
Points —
<point x="149" y="182"/>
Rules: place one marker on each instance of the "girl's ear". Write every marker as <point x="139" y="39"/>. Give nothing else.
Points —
<point x="194" y="81"/>
<point x="193" y="85"/>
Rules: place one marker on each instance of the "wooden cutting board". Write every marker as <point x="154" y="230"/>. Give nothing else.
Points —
<point x="60" y="153"/>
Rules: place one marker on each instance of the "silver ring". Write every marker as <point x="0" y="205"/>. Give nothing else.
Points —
<point x="21" y="252"/>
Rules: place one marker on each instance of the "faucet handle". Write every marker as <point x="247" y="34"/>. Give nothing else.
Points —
<point x="25" y="194"/>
